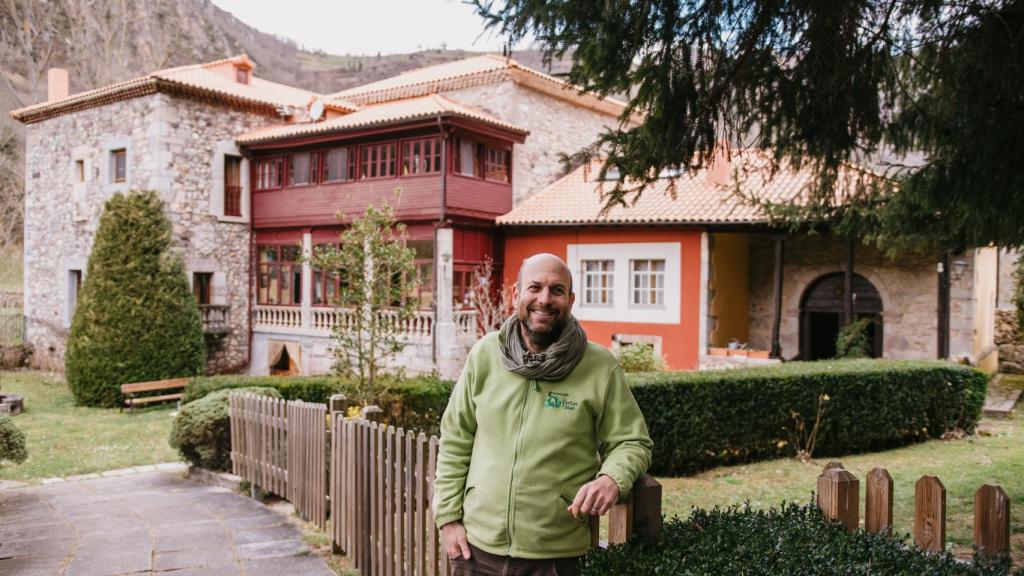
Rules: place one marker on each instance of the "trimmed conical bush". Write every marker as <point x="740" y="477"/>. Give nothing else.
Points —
<point x="136" y="319"/>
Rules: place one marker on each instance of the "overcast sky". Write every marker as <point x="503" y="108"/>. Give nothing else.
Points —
<point x="367" y="26"/>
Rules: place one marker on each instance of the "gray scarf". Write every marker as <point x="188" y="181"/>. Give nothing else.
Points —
<point x="553" y="364"/>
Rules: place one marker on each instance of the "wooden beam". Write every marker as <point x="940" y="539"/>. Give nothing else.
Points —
<point x="776" y="346"/>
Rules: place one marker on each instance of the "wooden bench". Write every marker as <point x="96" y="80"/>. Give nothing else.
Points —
<point x="130" y="390"/>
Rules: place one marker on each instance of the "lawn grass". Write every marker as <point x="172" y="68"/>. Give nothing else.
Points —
<point x="963" y="465"/>
<point x="64" y="439"/>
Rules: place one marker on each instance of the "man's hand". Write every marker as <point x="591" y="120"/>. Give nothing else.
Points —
<point x="595" y="497"/>
<point x="453" y="534"/>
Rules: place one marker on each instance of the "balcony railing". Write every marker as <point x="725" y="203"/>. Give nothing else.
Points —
<point x="215" y="318"/>
<point x="321" y="321"/>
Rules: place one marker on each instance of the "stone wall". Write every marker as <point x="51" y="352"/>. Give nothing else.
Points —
<point x="906" y="284"/>
<point x="1007" y="281"/>
<point x="170" y="145"/>
<point x="1010" y="340"/>
<point x="556" y="127"/>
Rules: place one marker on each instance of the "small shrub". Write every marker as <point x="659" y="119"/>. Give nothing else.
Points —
<point x="639" y="357"/>
<point x="136" y="319"/>
<point x="15" y="356"/>
<point x="417" y="403"/>
<point x="793" y="539"/>
<point x="12" y="441"/>
<point x="202" y="430"/>
<point x="852" y="341"/>
<point x="699" y="420"/>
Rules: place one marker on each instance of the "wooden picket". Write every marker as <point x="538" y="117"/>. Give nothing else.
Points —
<point x="281" y="448"/>
<point x="307" y="471"/>
<point x="381" y="516"/>
<point x="838" y="494"/>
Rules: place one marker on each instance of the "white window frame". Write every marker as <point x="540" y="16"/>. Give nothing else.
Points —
<point x="651" y="275"/>
<point x="596" y="275"/>
<point x="622" y="254"/>
<point x="71" y="294"/>
<point x="79" y="188"/>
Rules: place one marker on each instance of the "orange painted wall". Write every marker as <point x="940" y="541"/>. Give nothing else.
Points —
<point x="680" y="342"/>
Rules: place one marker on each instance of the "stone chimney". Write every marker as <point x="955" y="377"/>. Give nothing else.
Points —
<point x="57" y="86"/>
<point x="720" y="171"/>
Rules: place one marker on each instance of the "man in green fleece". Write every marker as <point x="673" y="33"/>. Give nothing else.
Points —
<point x="541" y="433"/>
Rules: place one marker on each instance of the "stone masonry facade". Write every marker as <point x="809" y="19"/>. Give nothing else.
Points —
<point x="556" y="127"/>
<point x="173" y="146"/>
<point x="907" y="284"/>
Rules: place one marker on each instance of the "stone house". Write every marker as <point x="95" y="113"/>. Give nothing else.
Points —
<point x="255" y="174"/>
<point x="694" y="273"/>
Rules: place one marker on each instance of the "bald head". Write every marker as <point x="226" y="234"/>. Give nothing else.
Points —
<point x="544" y="262"/>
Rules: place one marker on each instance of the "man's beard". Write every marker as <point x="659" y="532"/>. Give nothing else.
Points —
<point x="542" y="339"/>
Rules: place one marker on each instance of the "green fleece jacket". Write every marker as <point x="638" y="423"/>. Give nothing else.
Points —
<point x="514" y="451"/>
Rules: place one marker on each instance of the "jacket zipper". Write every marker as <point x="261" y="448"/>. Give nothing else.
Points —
<point x="510" y="516"/>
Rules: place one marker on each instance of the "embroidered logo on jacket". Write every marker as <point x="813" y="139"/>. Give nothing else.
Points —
<point x="559" y="401"/>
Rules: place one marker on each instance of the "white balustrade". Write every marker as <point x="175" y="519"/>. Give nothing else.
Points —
<point x="465" y="322"/>
<point x="278" y="317"/>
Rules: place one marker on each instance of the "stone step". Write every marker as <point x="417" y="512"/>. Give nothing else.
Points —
<point x="1002" y="407"/>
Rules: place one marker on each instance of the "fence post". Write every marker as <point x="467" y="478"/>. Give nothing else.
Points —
<point x="930" y="514"/>
<point x="839" y="495"/>
<point x="991" y="520"/>
<point x="372" y="413"/>
<point x="640" y="513"/>
<point x="647" y="506"/>
<point x="338" y="403"/>
<point x="878" y="502"/>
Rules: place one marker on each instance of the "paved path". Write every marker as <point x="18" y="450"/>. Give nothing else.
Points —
<point x="148" y="523"/>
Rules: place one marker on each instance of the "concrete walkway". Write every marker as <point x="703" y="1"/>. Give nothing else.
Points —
<point x="147" y="523"/>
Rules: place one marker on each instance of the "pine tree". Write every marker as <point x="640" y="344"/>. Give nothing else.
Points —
<point x="136" y="319"/>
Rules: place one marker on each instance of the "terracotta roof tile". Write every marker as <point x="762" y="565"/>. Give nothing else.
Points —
<point x="209" y="79"/>
<point x="578" y="198"/>
<point x="387" y="113"/>
<point x="468" y="72"/>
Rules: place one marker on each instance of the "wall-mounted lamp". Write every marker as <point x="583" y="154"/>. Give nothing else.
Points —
<point x="957" y="269"/>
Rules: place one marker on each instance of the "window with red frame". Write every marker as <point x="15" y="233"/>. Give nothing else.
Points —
<point x="497" y="164"/>
<point x="424" y="262"/>
<point x="268" y="173"/>
<point x="279" y="280"/>
<point x="377" y="160"/>
<point x="339" y="165"/>
<point x="467" y="157"/>
<point x="326" y="284"/>
<point x="421" y="156"/>
<point x="462" y="285"/>
<point x="232" y="185"/>
<point x="302" y="169"/>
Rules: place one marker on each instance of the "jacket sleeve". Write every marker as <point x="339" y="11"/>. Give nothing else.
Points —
<point x="624" y="443"/>
<point x="458" y="431"/>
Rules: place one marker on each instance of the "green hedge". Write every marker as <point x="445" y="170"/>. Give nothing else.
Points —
<point x="699" y="420"/>
<point x="790" y="540"/>
<point x="703" y="419"/>
<point x="309" y="388"/>
<point x="202" y="430"/>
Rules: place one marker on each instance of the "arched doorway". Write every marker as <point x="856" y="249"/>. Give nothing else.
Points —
<point x="821" y="315"/>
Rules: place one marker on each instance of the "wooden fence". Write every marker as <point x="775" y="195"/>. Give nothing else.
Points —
<point x="281" y="447"/>
<point x="839" y="499"/>
<point x="380" y="482"/>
